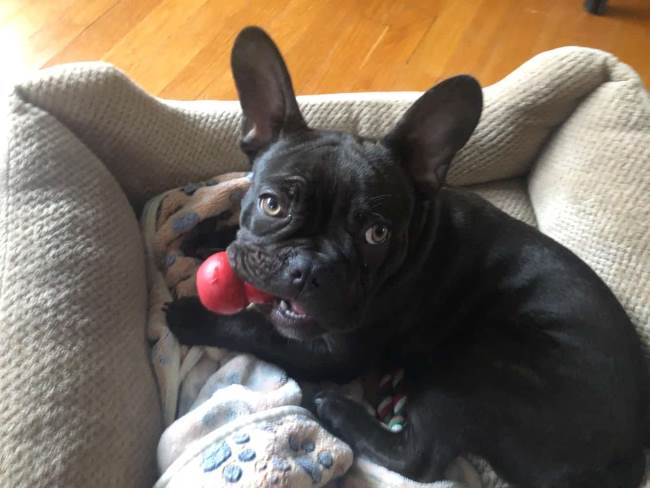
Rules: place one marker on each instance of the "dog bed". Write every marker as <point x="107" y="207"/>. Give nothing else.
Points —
<point x="564" y="144"/>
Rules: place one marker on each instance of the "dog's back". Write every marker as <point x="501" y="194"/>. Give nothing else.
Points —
<point x="538" y="348"/>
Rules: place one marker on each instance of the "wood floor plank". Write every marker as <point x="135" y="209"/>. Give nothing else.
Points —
<point x="405" y="28"/>
<point x="517" y="37"/>
<point x="32" y="15"/>
<point x="53" y="37"/>
<point x="101" y="35"/>
<point x="22" y="51"/>
<point x="154" y="50"/>
<point x="213" y="59"/>
<point x="626" y="46"/>
<point x="9" y="8"/>
<point x="308" y="32"/>
<point x="181" y="48"/>
<point x="312" y="54"/>
<point x="442" y="39"/>
<point x="356" y="43"/>
<point x="479" y="43"/>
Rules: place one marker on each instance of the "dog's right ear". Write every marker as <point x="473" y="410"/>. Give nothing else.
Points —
<point x="265" y="91"/>
<point x="434" y="129"/>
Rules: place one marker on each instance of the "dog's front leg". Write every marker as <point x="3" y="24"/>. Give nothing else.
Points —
<point x="413" y="452"/>
<point x="249" y="331"/>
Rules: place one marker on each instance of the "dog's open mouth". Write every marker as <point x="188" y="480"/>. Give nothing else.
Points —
<point x="292" y="310"/>
<point x="292" y="320"/>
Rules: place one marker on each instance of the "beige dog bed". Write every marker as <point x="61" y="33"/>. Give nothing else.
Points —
<point x="564" y="144"/>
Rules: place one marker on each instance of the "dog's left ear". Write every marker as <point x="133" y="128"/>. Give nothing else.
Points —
<point x="434" y="128"/>
<point x="265" y="91"/>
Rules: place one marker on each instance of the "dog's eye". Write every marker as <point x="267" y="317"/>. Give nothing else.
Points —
<point x="377" y="234"/>
<point x="270" y="205"/>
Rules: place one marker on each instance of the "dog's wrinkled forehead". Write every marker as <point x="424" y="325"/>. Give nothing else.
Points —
<point x="342" y="165"/>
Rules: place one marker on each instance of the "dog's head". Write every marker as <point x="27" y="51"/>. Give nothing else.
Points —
<point x="328" y="217"/>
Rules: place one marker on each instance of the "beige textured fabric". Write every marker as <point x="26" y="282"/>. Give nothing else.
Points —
<point x="79" y="406"/>
<point x="591" y="189"/>
<point x="510" y="196"/>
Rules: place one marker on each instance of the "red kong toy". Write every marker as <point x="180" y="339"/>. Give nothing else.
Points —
<point x="220" y="289"/>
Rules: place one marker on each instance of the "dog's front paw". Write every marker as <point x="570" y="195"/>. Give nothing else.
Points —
<point x="340" y="415"/>
<point x="181" y="312"/>
<point x="186" y="318"/>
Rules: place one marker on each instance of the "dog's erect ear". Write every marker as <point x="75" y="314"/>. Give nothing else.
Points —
<point x="265" y="91"/>
<point x="434" y="128"/>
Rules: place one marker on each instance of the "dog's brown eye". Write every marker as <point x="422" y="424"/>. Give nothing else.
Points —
<point x="270" y="206"/>
<point x="377" y="234"/>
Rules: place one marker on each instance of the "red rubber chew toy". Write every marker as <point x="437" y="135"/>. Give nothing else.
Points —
<point x="220" y="289"/>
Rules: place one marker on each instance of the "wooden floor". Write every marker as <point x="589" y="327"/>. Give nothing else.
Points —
<point x="180" y="48"/>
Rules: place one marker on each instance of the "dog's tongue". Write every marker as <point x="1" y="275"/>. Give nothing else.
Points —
<point x="298" y="309"/>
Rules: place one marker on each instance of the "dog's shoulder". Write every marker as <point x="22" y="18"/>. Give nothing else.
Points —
<point x="488" y="245"/>
<point x="475" y="223"/>
<point x="464" y="207"/>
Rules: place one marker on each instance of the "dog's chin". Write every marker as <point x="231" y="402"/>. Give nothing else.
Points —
<point x="291" y="321"/>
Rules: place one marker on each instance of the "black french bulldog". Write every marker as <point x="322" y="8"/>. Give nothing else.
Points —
<point x="514" y="349"/>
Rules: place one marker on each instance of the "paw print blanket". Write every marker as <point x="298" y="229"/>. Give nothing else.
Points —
<point x="231" y="419"/>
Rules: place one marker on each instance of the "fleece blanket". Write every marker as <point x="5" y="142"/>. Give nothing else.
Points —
<point x="231" y="418"/>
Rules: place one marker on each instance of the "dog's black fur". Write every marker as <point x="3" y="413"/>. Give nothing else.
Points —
<point x="513" y="348"/>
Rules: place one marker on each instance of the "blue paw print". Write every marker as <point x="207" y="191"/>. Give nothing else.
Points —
<point x="190" y="188"/>
<point x="241" y="438"/>
<point x="280" y="464"/>
<point x="232" y="473"/>
<point x="185" y="222"/>
<point x="247" y="455"/>
<point x="219" y="453"/>
<point x="325" y="459"/>
<point x="170" y="259"/>
<point x="215" y="456"/>
<point x="309" y="467"/>
<point x="294" y="443"/>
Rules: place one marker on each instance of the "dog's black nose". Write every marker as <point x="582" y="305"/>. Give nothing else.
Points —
<point x="298" y="272"/>
<point x="297" y="276"/>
